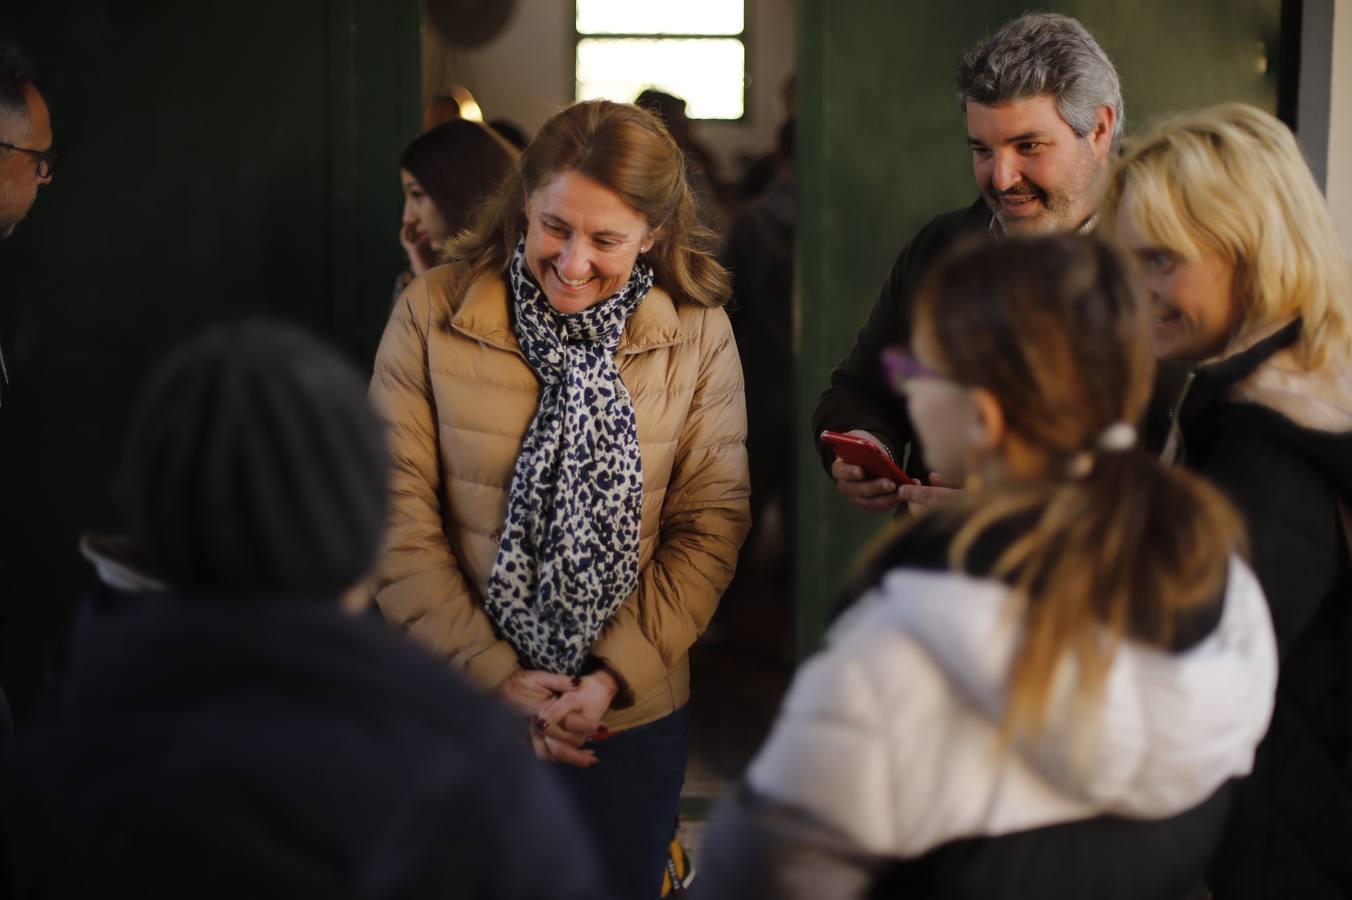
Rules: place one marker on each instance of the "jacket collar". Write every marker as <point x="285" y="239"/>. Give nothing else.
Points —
<point x="1264" y="388"/>
<point x="485" y="315"/>
<point x="1243" y="359"/>
<point x="1214" y="381"/>
<point x="120" y="563"/>
<point x="1317" y="399"/>
<point x="1165" y="732"/>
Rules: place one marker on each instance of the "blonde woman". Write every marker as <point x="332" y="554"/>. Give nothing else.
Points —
<point x="1045" y="683"/>
<point x="1249" y="290"/>
<point x="570" y="479"/>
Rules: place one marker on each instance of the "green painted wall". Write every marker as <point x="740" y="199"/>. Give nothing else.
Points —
<point x="216" y="160"/>
<point x="881" y="150"/>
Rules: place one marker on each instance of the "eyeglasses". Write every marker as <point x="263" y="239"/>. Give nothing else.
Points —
<point x="901" y="368"/>
<point x="46" y="158"/>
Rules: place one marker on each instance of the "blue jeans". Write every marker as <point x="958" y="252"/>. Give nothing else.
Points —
<point x="628" y="802"/>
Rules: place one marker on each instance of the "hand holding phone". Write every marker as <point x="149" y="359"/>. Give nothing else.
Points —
<point x="868" y="456"/>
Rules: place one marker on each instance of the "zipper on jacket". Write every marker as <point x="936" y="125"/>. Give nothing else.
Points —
<point x="1173" y="444"/>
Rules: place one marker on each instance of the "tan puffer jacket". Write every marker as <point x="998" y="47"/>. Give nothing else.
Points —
<point x="459" y="396"/>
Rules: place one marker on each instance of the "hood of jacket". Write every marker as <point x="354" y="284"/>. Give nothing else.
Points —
<point x="1263" y="384"/>
<point x="892" y="734"/>
<point x="1168" y="728"/>
<point x="1265" y="371"/>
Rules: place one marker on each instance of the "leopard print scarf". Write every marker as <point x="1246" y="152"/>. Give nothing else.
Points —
<point x="569" y="551"/>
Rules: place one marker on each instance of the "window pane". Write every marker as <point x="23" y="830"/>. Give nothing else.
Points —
<point x="707" y="74"/>
<point x="659" y="16"/>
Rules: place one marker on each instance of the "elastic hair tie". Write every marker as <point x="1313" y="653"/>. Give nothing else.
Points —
<point x="1118" y="436"/>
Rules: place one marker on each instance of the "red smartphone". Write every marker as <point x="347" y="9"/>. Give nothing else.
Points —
<point x="872" y="459"/>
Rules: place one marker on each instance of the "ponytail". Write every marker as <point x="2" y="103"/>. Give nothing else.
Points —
<point x="1127" y="549"/>
<point x="1110" y="544"/>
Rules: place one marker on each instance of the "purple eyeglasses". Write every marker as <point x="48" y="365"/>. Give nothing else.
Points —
<point x="901" y="367"/>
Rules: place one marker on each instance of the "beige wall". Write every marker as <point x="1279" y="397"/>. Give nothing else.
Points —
<point x="526" y="73"/>
<point x="1340" y="124"/>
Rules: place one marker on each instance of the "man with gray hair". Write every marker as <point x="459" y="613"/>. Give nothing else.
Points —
<point x="1044" y="110"/>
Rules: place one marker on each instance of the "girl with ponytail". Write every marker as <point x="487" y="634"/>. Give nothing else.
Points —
<point x="1043" y="686"/>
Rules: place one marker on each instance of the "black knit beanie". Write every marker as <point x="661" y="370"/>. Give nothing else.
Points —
<point x="255" y="463"/>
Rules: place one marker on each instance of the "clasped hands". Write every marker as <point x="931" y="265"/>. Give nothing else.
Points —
<point x="563" y="713"/>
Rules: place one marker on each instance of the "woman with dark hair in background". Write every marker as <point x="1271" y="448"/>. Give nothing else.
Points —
<point x="445" y="174"/>
<point x="570" y="481"/>
<point x="510" y="132"/>
<point x="701" y="170"/>
<point x="1251" y="292"/>
<point x="1044" y="683"/>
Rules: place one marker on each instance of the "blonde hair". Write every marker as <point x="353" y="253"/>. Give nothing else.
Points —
<point x="627" y="150"/>
<point x="1230" y="180"/>
<point x="1054" y="329"/>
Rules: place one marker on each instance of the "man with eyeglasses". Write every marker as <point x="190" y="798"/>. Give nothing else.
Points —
<point x="26" y="157"/>
<point x="26" y="161"/>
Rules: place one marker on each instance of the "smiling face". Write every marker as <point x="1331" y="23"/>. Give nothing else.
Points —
<point x="1193" y="304"/>
<point x="420" y="212"/>
<point x="1034" y="173"/>
<point x="582" y="241"/>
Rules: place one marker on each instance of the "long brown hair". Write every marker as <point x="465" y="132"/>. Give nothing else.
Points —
<point x="1056" y="331"/>
<point x="628" y="151"/>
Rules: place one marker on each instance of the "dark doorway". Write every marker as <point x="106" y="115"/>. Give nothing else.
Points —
<point x="217" y="160"/>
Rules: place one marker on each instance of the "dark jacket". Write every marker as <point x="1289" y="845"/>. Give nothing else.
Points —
<point x="759" y="256"/>
<point x="858" y="396"/>
<point x="1278" y="441"/>
<point x="6" y="533"/>
<point x="884" y="774"/>
<point x="241" y="747"/>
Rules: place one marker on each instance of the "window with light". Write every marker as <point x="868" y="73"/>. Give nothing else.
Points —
<point x="694" y="49"/>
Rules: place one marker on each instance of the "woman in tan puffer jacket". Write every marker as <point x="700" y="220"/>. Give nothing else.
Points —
<point x="570" y="486"/>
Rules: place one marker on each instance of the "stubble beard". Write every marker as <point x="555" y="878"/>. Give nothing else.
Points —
<point x="1061" y="210"/>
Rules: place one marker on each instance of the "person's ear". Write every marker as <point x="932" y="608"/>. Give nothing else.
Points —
<point x="1101" y="137"/>
<point x="987" y="428"/>
<point x="650" y="240"/>
<point x="525" y="206"/>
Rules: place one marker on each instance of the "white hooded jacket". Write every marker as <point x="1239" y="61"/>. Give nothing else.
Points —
<point x="891" y="735"/>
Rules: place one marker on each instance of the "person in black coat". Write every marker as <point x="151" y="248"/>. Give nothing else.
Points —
<point x="1043" y="111"/>
<point x="234" y="724"/>
<point x="1252" y="293"/>
<point x="26" y="164"/>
